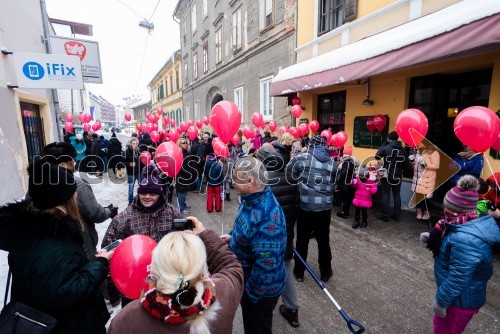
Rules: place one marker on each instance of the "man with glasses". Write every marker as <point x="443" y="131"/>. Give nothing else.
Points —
<point x="186" y="178"/>
<point x="258" y="239"/>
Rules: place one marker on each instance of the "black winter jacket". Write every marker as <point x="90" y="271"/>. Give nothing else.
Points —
<point x="186" y="179"/>
<point x="132" y="156"/>
<point x="394" y="163"/>
<point x="114" y="152"/>
<point x="283" y="151"/>
<point x="50" y="271"/>
<point x="146" y="144"/>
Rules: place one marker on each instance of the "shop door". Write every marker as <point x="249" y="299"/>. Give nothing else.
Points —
<point x="331" y="111"/>
<point x="33" y="130"/>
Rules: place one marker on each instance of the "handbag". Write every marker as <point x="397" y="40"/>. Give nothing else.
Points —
<point x="19" y="318"/>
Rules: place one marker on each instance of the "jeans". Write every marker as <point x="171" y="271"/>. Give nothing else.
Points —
<point x="289" y="295"/>
<point x="198" y="183"/>
<point x="455" y="321"/>
<point x="258" y="317"/>
<point x="131" y="182"/>
<point x="181" y="200"/>
<point x="319" y="222"/>
<point x="386" y="198"/>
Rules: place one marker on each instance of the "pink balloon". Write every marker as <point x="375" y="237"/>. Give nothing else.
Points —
<point x="192" y="132"/>
<point x="199" y="124"/>
<point x="128" y="117"/>
<point x="169" y="158"/>
<point x="370" y="124"/>
<point x="327" y="134"/>
<point x="295" y="132"/>
<point x="145" y="157"/>
<point x="159" y="110"/>
<point x="304" y="129"/>
<point x="190" y="123"/>
<point x="149" y="127"/>
<point x="296" y="111"/>
<point x="235" y="140"/>
<point x="139" y="127"/>
<point x="248" y="132"/>
<point x="296" y="101"/>
<point x="172" y="122"/>
<point x="379" y="122"/>
<point x="155" y="136"/>
<point x="69" y="118"/>
<point x="81" y="118"/>
<point x="179" y="130"/>
<point x="412" y="119"/>
<point x="96" y="126"/>
<point x="166" y="120"/>
<point x="183" y="126"/>
<point x="257" y="119"/>
<point x="272" y="126"/>
<point x="220" y="149"/>
<point x="173" y="135"/>
<point x="282" y="129"/>
<point x="130" y="265"/>
<point x="87" y="118"/>
<point x="86" y="127"/>
<point x="68" y="126"/>
<point x="477" y="127"/>
<point x="225" y="119"/>
<point x="206" y="120"/>
<point x="148" y="114"/>
<point x="155" y="127"/>
<point x="341" y="138"/>
<point x="314" y="126"/>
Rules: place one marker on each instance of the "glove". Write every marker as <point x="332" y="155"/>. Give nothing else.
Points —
<point x="113" y="211"/>
<point x="439" y="310"/>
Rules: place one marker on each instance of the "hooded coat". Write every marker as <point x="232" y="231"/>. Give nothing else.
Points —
<point x="146" y="144"/>
<point x="114" y="152"/>
<point x="186" y="178"/>
<point x="394" y="164"/>
<point x="465" y="263"/>
<point x="50" y="271"/>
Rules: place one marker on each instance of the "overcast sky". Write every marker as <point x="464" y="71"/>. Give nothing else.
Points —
<point x="122" y="42"/>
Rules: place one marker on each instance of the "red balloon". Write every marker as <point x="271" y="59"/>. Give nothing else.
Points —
<point x="341" y="137"/>
<point x="183" y="126"/>
<point x="225" y="119"/>
<point x="81" y="118"/>
<point x="145" y="157"/>
<point x="262" y="124"/>
<point x="86" y="127"/>
<point x="87" y="118"/>
<point x="173" y="135"/>
<point x="96" y="126"/>
<point x="220" y="149"/>
<point x="272" y="126"/>
<point x="206" y="120"/>
<point x="190" y="123"/>
<point x="370" y="124"/>
<point x="412" y="119"/>
<point x="139" y="127"/>
<point x="172" y="122"/>
<point x="304" y="129"/>
<point x="248" y="132"/>
<point x="314" y="126"/>
<point x="216" y="140"/>
<point x="296" y="111"/>
<point x="69" y="118"/>
<point x="379" y="122"/>
<point x="155" y="127"/>
<point x="192" y="132"/>
<point x="148" y="114"/>
<point x="235" y="140"/>
<point x="477" y="127"/>
<point x="327" y="134"/>
<point x="130" y="263"/>
<point x="179" y="130"/>
<point x="68" y="126"/>
<point x="159" y="110"/>
<point x="257" y="119"/>
<point x="128" y="117"/>
<point x="166" y="120"/>
<point x="296" y="101"/>
<point x="155" y="136"/>
<point x="282" y="129"/>
<point x="149" y="127"/>
<point x="295" y="132"/>
<point x="169" y="158"/>
<point x="199" y="124"/>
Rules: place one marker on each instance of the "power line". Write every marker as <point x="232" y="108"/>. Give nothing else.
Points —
<point x="154" y="10"/>
<point x="123" y="3"/>
<point x="142" y="62"/>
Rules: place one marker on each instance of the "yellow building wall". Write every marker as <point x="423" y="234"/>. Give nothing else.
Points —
<point x="330" y="44"/>
<point x="305" y="22"/>
<point x="366" y="7"/>
<point x="494" y="104"/>
<point x="431" y="6"/>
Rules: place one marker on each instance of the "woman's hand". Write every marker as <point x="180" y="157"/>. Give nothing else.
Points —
<point x="105" y="254"/>
<point x="197" y="225"/>
<point x="226" y="238"/>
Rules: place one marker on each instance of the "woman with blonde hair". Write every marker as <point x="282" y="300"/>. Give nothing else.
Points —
<point x="284" y="146"/>
<point x="195" y="287"/>
<point x="50" y="271"/>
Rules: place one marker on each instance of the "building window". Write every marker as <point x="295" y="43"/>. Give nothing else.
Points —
<point x="238" y="98"/>
<point x="160" y="92"/>
<point x="330" y="15"/>
<point x="177" y="87"/>
<point x="266" y="100"/>
<point x="265" y="14"/>
<point x="187" y="111"/>
<point x="179" y="116"/>
<point x="184" y="28"/>
<point x="205" y="57"/>
<point x="193" y="18"/>
<point x="205" y="8"/>
<point x="195" y="66"/>
<point x="218" y="45"/>
<point x="196" y="110"/>
<point x="186" y="76"/>
<point x="171" y="85"/>
<point x="237" y="26"/>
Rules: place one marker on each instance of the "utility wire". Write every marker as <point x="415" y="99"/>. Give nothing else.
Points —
<point x="142" y="62"/>
<point x="123" y="3"/>
<point x="154" y="10"/>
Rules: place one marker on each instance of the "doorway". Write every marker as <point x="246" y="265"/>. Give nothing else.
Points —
<point x="33" y="130"/>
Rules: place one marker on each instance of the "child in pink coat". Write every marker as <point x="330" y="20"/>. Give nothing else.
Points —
<point x="365" y="188"/>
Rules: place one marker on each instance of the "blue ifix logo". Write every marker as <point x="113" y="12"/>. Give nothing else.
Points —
<point x="34" y="71"/>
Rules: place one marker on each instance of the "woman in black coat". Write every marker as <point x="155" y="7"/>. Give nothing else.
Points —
<point x="50" y="271"/>
<point x="186" y="178"/>
<point x="114" y="152"/>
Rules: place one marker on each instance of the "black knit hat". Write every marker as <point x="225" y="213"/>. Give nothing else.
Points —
<point x="150" y="183"/>
<point x="49" y="185"/>
<point x="55" y="153"/>
<point x="317" y="140"/>
<point x="393" y="135"/>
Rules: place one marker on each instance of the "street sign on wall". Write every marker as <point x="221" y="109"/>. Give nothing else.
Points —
<point x="87" y="51"/>
<point x="40" y="70"/>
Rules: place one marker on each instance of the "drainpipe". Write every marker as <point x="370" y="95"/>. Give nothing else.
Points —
<point x="294" y="56"/>
<point x="55" y="100"/>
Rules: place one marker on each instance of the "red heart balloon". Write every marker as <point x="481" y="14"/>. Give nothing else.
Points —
<point x="183" y="126"/>
<point x="220" y="149"/>
<point x="314" y="126"/>
<point x="327" y="134"/>
<point x="477" y="127"/>
<point x="68" y="126"/>
<point x="296" y="101"/>
<point x="199" y="124"/>
<point x="304" y="129"/>
<point x="296" y="111"/>
<point x="206" y="120"/>
<point x="379" y="122"/>
<point x="155" y="136"/>
<point x="173" y="135"/>
<point x="235" y="140"/>
<point x="128" y="117"/>
<point x="282" y="129"/>
<point x="412" y="119"/>
<point x="272" y="126"/>
<point x="295" y="132"/>
<point x="225" y="119"/>
<point x="192" y="132"/>
<point x="370" y="124"/>
<point x="248" y="132"/>
<point x="69" y="118"/>
<point x="257" y="119"/>
<point x="86" y="127"/>
<point x="341" y="138"/>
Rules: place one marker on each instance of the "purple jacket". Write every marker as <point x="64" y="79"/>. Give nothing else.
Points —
<point x="364" y="192"/>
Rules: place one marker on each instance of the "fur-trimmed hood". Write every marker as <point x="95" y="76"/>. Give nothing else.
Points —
<point x="19" y="223"/>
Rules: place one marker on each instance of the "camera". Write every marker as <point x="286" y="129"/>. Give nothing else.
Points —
<point x="183" y="224"/>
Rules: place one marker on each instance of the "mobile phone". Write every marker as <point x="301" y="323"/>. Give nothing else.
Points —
<point x="183" y="224"/>
<point x="112" y="245"/>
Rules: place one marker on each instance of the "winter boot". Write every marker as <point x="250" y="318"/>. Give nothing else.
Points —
<point x="356" y="223"/>
<point x="364" y="223"/>
<point x="292" y="316"/>
<point x="228" y="197"/>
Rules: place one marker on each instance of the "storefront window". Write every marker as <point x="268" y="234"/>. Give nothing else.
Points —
<point x="331" y="111"/>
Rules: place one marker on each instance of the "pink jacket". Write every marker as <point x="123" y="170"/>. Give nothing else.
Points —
<point x="364" y="192"/>
<point x="256" y="142"/>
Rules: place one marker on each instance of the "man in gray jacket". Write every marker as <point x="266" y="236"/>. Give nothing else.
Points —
<point x="316" y="173"/>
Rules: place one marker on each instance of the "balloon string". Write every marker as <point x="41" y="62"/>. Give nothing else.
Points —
<point x="491" y="169"/>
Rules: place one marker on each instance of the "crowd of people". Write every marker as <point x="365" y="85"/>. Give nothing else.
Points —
<point x="198" y="278"/>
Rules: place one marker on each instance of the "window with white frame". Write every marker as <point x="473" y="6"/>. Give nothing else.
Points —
<point x="171" y="84"/>
<point x="237" y="26"/>
<point x="205" y="57"/>
<point x="238" y="98"/>
<point x="186" y="76"/>
<point x="187" y="111"/>
<point x="193" y="18"/>
<point x="218" y="45"/>
<point x="196" y="110"/>
<point x="265" y="14"/>
<point x="195" y="66"/>
<point x="205" y="8"/>
<point x="266" y="100"/>
<point x="184" y="28"/>
<point x="330" y="15"/>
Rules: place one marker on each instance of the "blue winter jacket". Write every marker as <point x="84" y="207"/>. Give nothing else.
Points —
<point x="472" y="166"/>
<point x="213" y="173"/>
<point x="464" y="264"/>
<point x="259" y="242"/>
<point x="79" y="146"/>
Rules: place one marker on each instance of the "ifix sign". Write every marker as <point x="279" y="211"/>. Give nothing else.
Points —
<point x="40" y="70"/>
<point x="86" y="51"/>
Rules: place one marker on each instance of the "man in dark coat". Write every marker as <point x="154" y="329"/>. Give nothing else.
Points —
<point x="147" y="144"/>
<point x="198" y="151"/>
<point x="133" y="165"/>
<point x="114" y="152"/>
<point x="96" y="163"/>
<point x="395" y="160"/>
<point x="186" y="179"/>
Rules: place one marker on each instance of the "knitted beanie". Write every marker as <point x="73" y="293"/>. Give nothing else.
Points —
<point x="55" y="153"/>
<point x="317" y="140"/>
<point x="463" y="197"/>
<point x="150" y="182"/>
<point x="49" y="185"/>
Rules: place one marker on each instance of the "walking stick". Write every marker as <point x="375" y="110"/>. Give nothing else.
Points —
<point x="350" y="322"/>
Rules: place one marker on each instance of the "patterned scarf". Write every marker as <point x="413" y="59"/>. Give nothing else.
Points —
<point x="439" y="231"/>
<point x="169" y="307"/>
